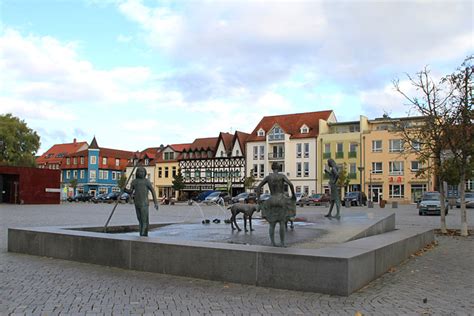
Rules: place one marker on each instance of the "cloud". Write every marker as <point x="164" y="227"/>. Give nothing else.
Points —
<point x="40" y="110"/>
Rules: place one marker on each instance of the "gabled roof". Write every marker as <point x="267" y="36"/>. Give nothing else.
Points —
<point x="94" y="144"/>
<point x="226" y="140"/>
<point x="57" y="152"/>
<point x="291" y="124"/>
<point x="241" y="138"/>
<point x="209" y="143"/>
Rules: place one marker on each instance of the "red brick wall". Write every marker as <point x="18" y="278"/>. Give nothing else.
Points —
<point x="33" y="183"/>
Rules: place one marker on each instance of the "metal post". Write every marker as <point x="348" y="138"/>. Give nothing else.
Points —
<point x="361" y="169"/>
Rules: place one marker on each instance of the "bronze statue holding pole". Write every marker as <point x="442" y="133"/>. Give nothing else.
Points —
<point x="333" y="173"/>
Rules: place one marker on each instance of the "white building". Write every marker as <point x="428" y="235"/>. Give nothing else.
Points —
<point x="291" y="141"/>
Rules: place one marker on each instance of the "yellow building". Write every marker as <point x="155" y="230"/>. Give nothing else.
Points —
<point x="341" y="142"/>
<point x="390" y="165"/>
<point x="166" y="167"/>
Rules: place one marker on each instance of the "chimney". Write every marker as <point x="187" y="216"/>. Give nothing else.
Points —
<point x="75" y="140"/>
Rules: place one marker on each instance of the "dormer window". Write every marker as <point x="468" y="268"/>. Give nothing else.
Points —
<point x="304" y="129"/>
<point x="261" y="132"/>
<point x="276" y="134"/>
<point x="147" y="162"/>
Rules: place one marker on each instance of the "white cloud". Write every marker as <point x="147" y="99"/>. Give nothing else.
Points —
<point x="35" y="110"/>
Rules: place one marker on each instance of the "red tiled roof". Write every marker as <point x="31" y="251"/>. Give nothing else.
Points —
<point x="57" y="152"/>
<point x="291" y="124"/>
<point x="203" y="144"/>
<point x="227" y="140"/>
<point x="180" y="147"/>
<point x="241" y="137"/>
<point x="111" y="154"/>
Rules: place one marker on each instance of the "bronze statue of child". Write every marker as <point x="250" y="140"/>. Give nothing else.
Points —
<point x="140" y="187"/>
<point x="333" y="173"/>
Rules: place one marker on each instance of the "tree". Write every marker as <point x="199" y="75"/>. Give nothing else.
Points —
<point x="460" y="131"/>
<point x="18" y="143"/>
<point x="73" y="184"/>
<point x="427" y="136"/>
<point x="122" y="182"/>
<point x="178" y="182"/>
<point x="343" y="179"/>
<point x="249" y="182"/>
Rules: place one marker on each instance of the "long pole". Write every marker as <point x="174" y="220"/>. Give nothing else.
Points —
<point x="118" y="198"/>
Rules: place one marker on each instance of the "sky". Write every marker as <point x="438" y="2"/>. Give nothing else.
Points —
<point x="141" y="73"/>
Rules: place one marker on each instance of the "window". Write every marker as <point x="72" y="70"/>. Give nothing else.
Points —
<point x="377" y="167"/>
<point x="298" y="150"/>
<point x="306" y="169"/>
<point x="262" y="152"/>
<point x="92" y="175"/>
<point x="102" y="190"/>
<point x="276" y="134"/>
<point x="353" y="150"/>
<point x="304" y="129"/>
<point x="298" y="169"/>
<point x="237" y="152"/>
<point x="352" y="171"/>
<point x="173" y="172"/>
<point x="74" y="160"/>
<point x="339" y="150"/>
<point x="74" y="174"/>
<point x="68" y="174"/>
<point x="166" y="172"/>
<point x="160" y="172"/>
<point x="105" y="174"/>
<point x="104" y="160"/>
<point x="114" y="175"/>
<point x="298" y="189"/>
<point x="68" y="161"/>
<point x="254" y="170"/>
<point x="93" y="160"/>
<point x="396" y="191"/>
<point x="261" y="132"/>
<point x="82" y="174"/>
<point x="327" y="148"/>
<point x="395" y="167"/>
<point x="306" y="150"/>
<point x="395" y="145"/>
<point x="376" y="146"/>
<point x="209" y="153"/>
<point x="415" y="145"/>
<point x="415" y="166"/>
<point x="255" y="152"/>
<point x="197" y="173"/>
<point x="82" y="160"/>
<point x="262" y="170"/>
<point x="147" y="162"/>
<point x="306" y="190"/>
<point x="222" y="153"/>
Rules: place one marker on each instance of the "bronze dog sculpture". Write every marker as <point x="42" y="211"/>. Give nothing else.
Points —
<point x="247" y="210"/>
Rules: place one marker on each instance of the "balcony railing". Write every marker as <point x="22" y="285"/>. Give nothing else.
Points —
<point x="340" y="154"/>
<point x="276" y="156"/>
<point x="353" y="154"/>
<point x="326" y="155"/>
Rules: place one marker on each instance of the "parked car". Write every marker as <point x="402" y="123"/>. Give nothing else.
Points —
<point x="202" y="196"/>
<point x="99" y="198"/>
<point x="315" y="199"/>
<point x="355" y="198"/>
<point x="112" y="196"/>
<point x="469" y="197"/>
<point x="431" y="204"/>
<point x="125" y="197"/>
<point x="263" y="197"/>
<point x="82" y="197"/>
<point x="215" y="197"/>
<point x="244" y="197"/>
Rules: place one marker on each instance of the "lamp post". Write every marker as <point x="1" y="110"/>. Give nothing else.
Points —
<point x="361" y="169"/>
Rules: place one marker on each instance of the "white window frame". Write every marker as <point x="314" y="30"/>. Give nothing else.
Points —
<point x="74" y="160"/>
<point x="327" y="148"/>
<point x="419" y="166"/>
<point x="377" y="146"/>
<point x="392" y="194"/>
<point x="262" y="170"/>
<point x="68" y="161"/>
<point x="104" y="160"/>
<point x="299" y="150"/>
<point x="114" y="175"/>
<point x="74" y="174"/>
<point x="82" y="174"/>
<point x="82" y="160"/>
<point x="262" y="152"/>
<point x="306" y="169"/>
<point x="375" y="169"/>
<point x="255" y="170"/>
<point x="299" y="169"/>
<point x="395" y="168"/>
<point x="392" y="145"/>
<point x="261" y="132"/>
<point x="304" y="129"/>
<point x="276" y="133"/>
<point x="306" y="150"/>
<point x="92" y="174"/>
<point x="255" y="152"/>
<point x="68" y="174"/>
<point x="93" y="160"/>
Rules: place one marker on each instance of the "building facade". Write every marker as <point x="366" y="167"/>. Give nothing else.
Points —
<point x="292" y="142"/>
<point x="167" y="166"/>
<point x="96" y="170"/>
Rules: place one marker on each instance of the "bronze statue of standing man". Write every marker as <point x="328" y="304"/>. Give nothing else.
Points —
<point x="140" y="187"/>
<point x="279" y="207"/>
<point x="333" y="173"/>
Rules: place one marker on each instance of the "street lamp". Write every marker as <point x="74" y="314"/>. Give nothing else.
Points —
<point x="361" y="169"/>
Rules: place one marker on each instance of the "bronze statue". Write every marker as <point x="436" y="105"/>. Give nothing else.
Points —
<point x="140" y="186"/>
<point x="333" y="172"/>
<point x="279" y="207"/>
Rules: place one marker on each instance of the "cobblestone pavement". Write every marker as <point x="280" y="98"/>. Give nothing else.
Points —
<point x="439" y="281"/>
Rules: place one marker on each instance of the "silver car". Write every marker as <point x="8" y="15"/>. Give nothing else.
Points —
<point x="431" y="204"/>
<point x="469" y="197"/>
